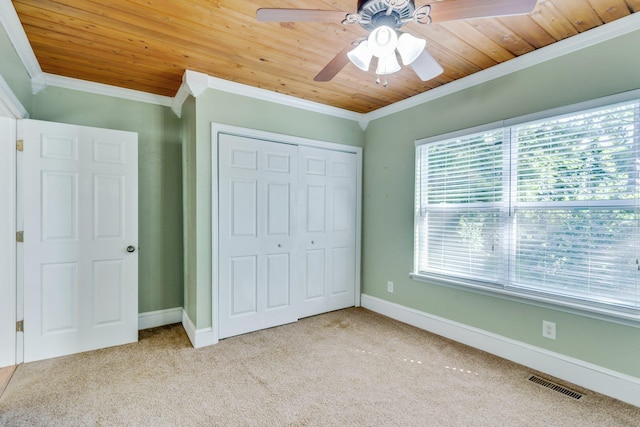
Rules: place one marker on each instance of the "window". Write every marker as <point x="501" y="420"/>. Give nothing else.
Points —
<point x="548" y="209"/>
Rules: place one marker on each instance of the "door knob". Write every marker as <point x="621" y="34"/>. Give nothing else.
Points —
<point x="131" y="249"/>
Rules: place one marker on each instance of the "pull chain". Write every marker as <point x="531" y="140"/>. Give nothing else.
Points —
<point x="385" y="83"/>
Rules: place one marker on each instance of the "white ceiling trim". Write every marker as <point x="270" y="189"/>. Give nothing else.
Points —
<point x="193" y="83"/>
<point x="102" y="89"/>
<point x="13" y="28"/>
<point x="583" y="40"/>
<point x="11" y="23"/>
<point x="280" y="98"/>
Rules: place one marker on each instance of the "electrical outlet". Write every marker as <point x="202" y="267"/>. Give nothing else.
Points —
<point x="549" y="330"/>
<point x="390" y="286"/>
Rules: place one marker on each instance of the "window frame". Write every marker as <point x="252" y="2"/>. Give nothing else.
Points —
<point x="622" y="315"/>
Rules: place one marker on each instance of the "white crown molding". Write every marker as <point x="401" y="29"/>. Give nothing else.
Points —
<point x="181" y="95"/>
<point x="38" y="83"/>
<point x="193" y="83"/>
<point x="102" y="89"/>
<point x="10" y="105"/>
<point x="592" y="37"/>
<point x="279" y="98"/>
<point x="17" y="36"/>
<point x="196" y="82"/>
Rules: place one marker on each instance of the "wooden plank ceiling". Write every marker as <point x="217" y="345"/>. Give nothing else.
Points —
<point x="147" y="45"/>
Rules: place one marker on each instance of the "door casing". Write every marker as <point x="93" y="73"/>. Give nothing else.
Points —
<point x="8" y="287"/>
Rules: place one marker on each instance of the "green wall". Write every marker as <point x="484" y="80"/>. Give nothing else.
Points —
<point x="227" y="108"/>
<point x="593" y="72"/>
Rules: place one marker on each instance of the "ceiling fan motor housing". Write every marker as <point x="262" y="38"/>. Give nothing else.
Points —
<point x="373" y="13"/>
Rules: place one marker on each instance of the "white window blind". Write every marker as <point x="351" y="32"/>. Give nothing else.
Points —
<point x="547" y="208"/>
<point x="460" y="193"/>
<point x="576" y="206"/>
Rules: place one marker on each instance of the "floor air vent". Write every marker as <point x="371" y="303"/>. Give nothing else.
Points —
<point x="555" y="387"/>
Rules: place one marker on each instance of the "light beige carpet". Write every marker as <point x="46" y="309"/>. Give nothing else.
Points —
<point x="346" y="368"/>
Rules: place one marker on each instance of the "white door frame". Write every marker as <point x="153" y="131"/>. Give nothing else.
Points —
<point x="218" y="128"/>
<point x="10" y="110"/>
<point x="7" y="241"/>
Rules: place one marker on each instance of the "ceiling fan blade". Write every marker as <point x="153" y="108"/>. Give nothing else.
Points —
<point x="426" y="66"/>
<point x="334" y="66"/>
<point x="468" y="9"/>
<point x="300" y="15"/>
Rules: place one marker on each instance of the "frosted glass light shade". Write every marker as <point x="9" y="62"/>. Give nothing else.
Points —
<point x="382" y="41"/>
<point x="410" y="47"/>
<point x="388" y="64"/>
<point x="361" y="56"/>
<point x="426" y="66"/>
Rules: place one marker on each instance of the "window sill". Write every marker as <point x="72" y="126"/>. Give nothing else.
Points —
<point x="594" y="312"/>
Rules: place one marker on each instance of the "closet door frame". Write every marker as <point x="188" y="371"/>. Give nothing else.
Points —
<point x="219" y="128"/>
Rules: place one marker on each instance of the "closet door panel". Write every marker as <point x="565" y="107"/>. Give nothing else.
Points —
<point x="243" y="282"/>
<point x="257" y="184"/>
<point x="328" y="189"/>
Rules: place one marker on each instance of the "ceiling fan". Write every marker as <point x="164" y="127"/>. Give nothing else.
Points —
<point x="383" y="19"/>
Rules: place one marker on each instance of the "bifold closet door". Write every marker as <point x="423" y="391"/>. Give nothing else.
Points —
<point x="327" y="235"/>
<point x="257" y="189"/>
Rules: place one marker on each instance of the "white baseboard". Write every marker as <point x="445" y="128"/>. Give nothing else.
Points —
<point x="153" y="319"/>
<point x="201" y="337"/>
<point x="593" y="377"/>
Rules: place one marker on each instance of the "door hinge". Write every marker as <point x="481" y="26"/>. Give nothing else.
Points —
<point x="20" y="145"/>
<point x="20" y="326"/>
<point x="20" y="236"/>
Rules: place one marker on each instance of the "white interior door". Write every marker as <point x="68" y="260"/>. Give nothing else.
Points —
<point x="328" y="230"/>
<point x="7" y="242"/>
<point x="257" y="190"/>
<point x="80" y="239"/>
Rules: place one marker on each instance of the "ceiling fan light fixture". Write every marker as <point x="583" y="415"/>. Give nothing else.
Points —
<point x="361" y="56"/>
<point x="382" y="41"/>
<point x="382" y="18"/>
<point x="388" y="64"/>
<point x="410" y="47"/>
